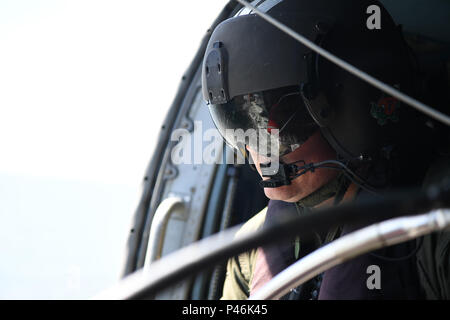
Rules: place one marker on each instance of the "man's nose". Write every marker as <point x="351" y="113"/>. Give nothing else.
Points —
<point x="258" y="158"/>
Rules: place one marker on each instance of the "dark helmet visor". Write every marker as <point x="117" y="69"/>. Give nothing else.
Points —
<point x="261" y="119"/>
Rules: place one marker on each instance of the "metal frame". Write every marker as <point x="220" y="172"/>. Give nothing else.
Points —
<point x="158" y="229"/>
<point x="207" y="252"/>
<point x="350" y="246"/>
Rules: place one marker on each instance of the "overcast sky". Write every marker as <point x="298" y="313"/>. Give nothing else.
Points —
<point x="84" y="87"/>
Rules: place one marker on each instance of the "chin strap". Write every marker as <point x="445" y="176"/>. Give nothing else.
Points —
<point x="334" y="188"/>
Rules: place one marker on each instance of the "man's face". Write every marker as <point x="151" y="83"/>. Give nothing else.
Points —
<point x="315" y="149"/>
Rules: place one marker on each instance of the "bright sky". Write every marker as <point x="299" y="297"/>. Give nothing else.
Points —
<point x="84" y="87"/>
<point x="85" y="84"/>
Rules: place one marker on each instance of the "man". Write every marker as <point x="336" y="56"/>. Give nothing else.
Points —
<point x="337" y="137"/>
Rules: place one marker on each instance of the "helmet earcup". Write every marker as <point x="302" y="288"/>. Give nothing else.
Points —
<point x="366" y="120"/>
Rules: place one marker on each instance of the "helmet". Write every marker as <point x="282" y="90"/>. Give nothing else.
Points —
<point x="255" y="76"/>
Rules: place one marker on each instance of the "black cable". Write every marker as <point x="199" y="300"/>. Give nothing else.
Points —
<point x="361" y="185"/>
<point x="351" y="175"/>
<point x="344" y="166"/>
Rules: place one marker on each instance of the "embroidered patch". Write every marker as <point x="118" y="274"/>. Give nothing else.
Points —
<point x="387" y="108"/>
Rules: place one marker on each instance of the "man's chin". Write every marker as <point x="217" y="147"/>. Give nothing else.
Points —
<point x="283" y="193"/>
